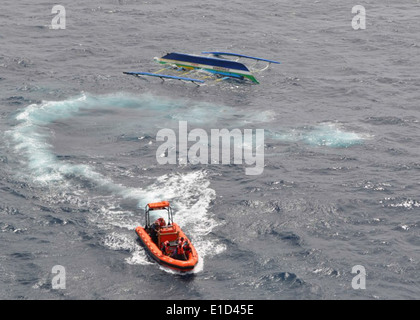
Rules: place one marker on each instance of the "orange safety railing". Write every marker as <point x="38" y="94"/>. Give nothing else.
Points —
<point x="158" y="205"/>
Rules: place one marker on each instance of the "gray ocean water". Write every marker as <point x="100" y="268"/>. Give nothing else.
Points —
<point x="78" y="152"/>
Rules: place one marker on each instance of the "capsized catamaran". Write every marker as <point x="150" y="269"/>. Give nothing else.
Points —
<point x="214" y="65"/>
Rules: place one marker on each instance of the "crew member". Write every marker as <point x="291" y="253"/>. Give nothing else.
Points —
<point x="161" y="222"/>
<point x="154" y="228"/>
<point x="187" y="248"/>
<point x="165" y="248"/>
<point x="181" y="241"/>
<point x="179" y="252"/>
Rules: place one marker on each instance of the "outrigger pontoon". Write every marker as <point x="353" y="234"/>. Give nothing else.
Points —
<point x="216" y="64"/>
<point x="168" y="233"/>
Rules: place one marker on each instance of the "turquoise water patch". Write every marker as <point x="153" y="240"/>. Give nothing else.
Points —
<point x="328" y="135"/>
<point x="331" y="136"/>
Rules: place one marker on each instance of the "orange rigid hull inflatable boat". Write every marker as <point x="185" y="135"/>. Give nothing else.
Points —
<point x="166" y="242"/>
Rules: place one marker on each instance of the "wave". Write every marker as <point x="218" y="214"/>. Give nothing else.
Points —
<point x="190" y="192"/>
<point x="326" y="134"/>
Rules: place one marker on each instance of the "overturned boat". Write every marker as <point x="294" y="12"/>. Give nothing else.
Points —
<point x="164" y="240"/>
<point x="221" y="65"/>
